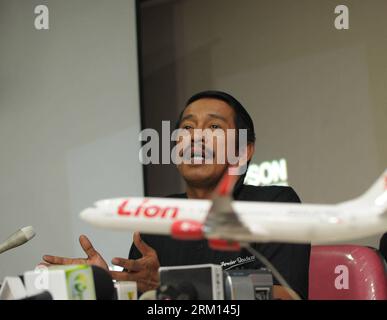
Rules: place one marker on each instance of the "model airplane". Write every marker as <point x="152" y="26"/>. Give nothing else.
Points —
<point x="226" y="223"/>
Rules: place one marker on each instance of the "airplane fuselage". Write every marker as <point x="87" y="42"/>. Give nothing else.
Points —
<point x="266" y="221"/>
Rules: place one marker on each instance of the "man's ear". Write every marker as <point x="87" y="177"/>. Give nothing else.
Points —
<point x="250" y="151"/>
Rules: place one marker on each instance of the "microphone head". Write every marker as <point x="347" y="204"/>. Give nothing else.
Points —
<point x="29" y="232"/>
<point x="20" y="237"/>
<point x="103" y="283"/>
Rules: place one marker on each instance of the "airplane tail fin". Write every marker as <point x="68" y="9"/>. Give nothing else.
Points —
<point x="375" y="196"/>
<point x="226" y="185"/>
<point x="221" y="214"/>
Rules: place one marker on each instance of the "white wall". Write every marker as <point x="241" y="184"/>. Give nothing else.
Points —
<point x="69" y="120"/>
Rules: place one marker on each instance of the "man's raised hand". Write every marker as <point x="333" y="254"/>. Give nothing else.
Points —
<point x="93" y="257"/>
<point x="145" y="271"/>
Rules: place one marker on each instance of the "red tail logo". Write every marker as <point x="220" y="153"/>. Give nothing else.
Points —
<point x="226" y="184"/>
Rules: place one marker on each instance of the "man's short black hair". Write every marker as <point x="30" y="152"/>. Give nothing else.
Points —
<point x="242" y="117"/>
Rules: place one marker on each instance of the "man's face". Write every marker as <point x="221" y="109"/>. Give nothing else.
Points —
<point x="211" y="114"/>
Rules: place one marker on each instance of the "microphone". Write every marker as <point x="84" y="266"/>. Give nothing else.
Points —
<point x="44" y="295"/>
<point x="17" y="239"/>
<point x="71" y="282"/>
<point x="176" y="282"/>
<point x="12" y="288"/>
<point x="103" y="283"/>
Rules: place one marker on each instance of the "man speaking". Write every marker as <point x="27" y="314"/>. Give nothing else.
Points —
<point x="213" y="110"/>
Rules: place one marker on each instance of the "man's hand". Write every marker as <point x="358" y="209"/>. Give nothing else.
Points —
<point x="93" y="257"/>
<point x="145" y="271"/>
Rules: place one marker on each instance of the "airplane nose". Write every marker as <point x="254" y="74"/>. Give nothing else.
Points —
<point x="86" y="214"/>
